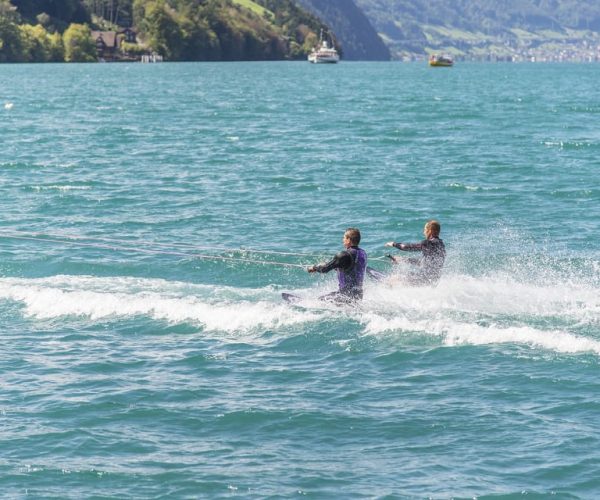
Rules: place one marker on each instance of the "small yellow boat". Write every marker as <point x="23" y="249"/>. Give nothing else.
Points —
<point x="444" y="61"/>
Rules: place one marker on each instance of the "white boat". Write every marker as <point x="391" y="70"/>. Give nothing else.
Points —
<point x="323" y="53"/>
<point x="151" y="58"/>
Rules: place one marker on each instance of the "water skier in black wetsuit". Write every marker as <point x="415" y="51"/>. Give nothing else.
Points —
<point x="350" y="264"/>
<point x="429" y="265"/>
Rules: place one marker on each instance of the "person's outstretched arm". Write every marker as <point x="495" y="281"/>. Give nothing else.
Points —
<point x="408" y="247"/>
<point x="340" y="261"/>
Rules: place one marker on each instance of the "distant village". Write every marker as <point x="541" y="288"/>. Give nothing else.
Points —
<point x="582" y="52"/>
<point x="576" y="51"/>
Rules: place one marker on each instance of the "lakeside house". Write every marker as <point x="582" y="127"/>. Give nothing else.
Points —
<point x="108" y="43"/>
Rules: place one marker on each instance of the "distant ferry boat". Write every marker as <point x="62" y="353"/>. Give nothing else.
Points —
<point x="435" y="60"/>
<point x="323" y="53"/>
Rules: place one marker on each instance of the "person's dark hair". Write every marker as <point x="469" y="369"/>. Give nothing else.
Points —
<point x="353" y="235"/>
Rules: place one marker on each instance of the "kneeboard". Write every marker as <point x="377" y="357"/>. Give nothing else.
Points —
<point x="290" y="297"/>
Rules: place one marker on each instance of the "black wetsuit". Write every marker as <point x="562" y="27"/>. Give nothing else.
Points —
<point x="350" y="265"/>
<point x="430" y="264"/>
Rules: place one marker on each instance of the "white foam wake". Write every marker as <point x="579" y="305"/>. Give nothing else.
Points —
<point x="495" y="309"/>
<point x="461" y="310"/>
<point x="493" y="296"/>
<point x="212" y="308"/>
<point x="453" y="332"/>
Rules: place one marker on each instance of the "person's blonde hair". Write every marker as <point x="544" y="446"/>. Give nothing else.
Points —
<point x="433" y="228"/>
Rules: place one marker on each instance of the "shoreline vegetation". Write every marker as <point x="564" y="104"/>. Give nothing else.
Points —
<point x="38" y="31"/>
<point x="173" y="30"/>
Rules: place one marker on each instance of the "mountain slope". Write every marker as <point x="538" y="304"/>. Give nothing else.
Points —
<point x="178" y="30"/>
<point x="352" y="29"/>
<point x="480" y="28"/>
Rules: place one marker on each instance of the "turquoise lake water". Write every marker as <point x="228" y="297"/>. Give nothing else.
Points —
<point x="153" y="214"/>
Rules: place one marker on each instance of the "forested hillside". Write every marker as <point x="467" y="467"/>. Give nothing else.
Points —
<point x="221" y="30"/>
<point x="352" y="29"/>
<point x="487" y="28"/>
<point x="190" y="30"/>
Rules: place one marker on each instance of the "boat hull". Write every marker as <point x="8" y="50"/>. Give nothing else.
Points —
<point x="323" y="60"/>
<point x="440" y="61"/>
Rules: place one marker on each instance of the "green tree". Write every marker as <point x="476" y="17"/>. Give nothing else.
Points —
<point x="9" y="11"/>
<point x="11" y="45"/>
<point x="79" y="45"/>
<point x="63" y="11"/>
<point x="36" y="43"/>
<point x="200" y="42"/>
<point x="56" y="49"/>
<point x="114" y="11"/>
<point x="161" y="31"/>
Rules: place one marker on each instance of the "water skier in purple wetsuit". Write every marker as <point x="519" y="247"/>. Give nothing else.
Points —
<point x="429" y="266"/>
<point x="350" y="265"/>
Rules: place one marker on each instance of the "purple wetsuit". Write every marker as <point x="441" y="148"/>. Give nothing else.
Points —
<point x="351" y="265"/>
